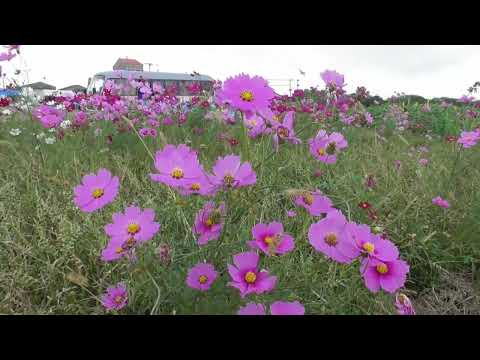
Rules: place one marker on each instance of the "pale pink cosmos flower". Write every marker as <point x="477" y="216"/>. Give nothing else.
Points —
<point x="423" y="162"/>
<point x="271" y="239"/>
<point x="325" y="147"/>
<point x="201" y="276"/>
<point x="229" y="172"/>
<point x="209" y="222"/>
<point x="440" y="202"/>
<point x="314" y="202"/>
<point x="252" y="309"/>
<point x="388" y="275"/>
<point x="469" y="138"/>
<point x="247" y="278"/>
<point x="291" y="213"/>
<point x="331" y="77"/>
<point x="287" y="308"/>
<point x="326" y="235"/>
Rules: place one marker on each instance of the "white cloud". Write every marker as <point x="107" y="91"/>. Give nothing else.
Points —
<point x="430" y="71"/>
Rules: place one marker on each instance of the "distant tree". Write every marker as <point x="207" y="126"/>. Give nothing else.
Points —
<point x="474" y="88"/>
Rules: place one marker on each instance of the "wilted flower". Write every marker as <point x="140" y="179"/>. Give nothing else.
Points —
<point x="370" y="182"/>
<point x="164" y="253"/>
<point x="404" y="305"/>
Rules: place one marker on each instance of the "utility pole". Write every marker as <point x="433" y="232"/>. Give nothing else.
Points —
<point x="149" y="65"/>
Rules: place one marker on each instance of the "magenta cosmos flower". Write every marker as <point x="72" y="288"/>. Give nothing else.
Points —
<point x="331" y="77"/>
<point x="229" y="172"/>
<point x="469" y="138"/>
<point x="287" y="308"/>
<point x="49" y="117"/>
<point x="246" y="276"/>
<point x="116" y="297"/>
<point x="128" y="230"/>
<point x="177" y="166"/>
<point x="315" y="203"/>
<point x="284" y="131"/>
<point x="325" y="147"/>
<point x="326" y="235"/>
<point x="271" y="239"/>
<point x="209" y="222"/>
<point x="404" y="305"/>
<point x="252" y="309"/>
<point x="440" y="202"/>
<point x="201" y="276"/>
<point x="367" y="243"/>
<point x="96" y="191"/>
<point x="388" y="275"/>
<point x="245" y="93"/>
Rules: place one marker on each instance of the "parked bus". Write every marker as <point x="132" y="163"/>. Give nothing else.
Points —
<point x="120" y="77"/>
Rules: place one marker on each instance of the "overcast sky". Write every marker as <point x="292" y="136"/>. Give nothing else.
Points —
<point x="429" y="71"/>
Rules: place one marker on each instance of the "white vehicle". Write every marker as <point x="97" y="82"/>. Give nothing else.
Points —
<point x="121" y="77"/>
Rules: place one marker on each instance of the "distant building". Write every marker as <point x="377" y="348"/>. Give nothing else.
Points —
<point x="38" y="90"/>
<point x="75" y="88"/>
<point x="128" y="64"/>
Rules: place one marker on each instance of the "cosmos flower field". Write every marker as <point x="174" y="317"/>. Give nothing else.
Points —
<point x="245" y="202"/>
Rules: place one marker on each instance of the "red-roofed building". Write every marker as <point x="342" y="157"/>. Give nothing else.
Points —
<point x="128" y="64"/>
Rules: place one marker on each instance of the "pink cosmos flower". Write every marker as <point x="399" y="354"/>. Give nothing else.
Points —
<point x="397" y="164"/>
<point x="201" y="276"/>
<point x="284" y="131"/>
<point x="367" y="243"/>
<point x="209" y="222"/>
<point x="49" y="117"/>
<point x="291" y="213"/>
<point x="271" y="239"/>
<point x="315" y="203"/>
<point x="331" y="77"/>
<point x="153" y="123"/>
<point x="423" y="162"/>
<point x="116" y="297"/>
<point x="255" y="124"/>
<point x="247" y="94"/>
<point x="404" y="305"/>
<point x="7" y="56"/>
<point x="177" y="166"/>
<point x="326" y="235"/>
<point x="129" y="230"/>
<point x="469" y="138"/>
<point x="96" y="191"/>
<point x="440" y="202"/>
<point x="325" y="147"/>
<point x="368" y="118"/>
<point x="246" y="276"/>
<point x="252" y="309"/>
<point x="348" y="120"/>
<point x="80" y="119"/>
<point x="466" y="99"/>
<point x="287" y="308"/>
<point x="229" y="172"/>
<point x="388" y="275"/>
<point x="168" y="121"/>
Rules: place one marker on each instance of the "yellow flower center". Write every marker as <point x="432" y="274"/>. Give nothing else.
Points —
<point x="331" y="239"/>
<point x="202" y="279"/>
<point x="282" y="132"/>
<point x="308" y="199"/>
<point x="382" y="268"/>
<point x="276" y="118"/>
<point x="209" y="222"/>
<point x="97" y="193"/>
<point x="228" y="180"/>
<point x="331" y="148"/>
<point x="253" y="122"/>
<point x="177" y="173"/>
<point x="368" y="247"/>
<point x="130" y="242"/>
<point x="250" y="277"/>
<point x="269" y="240"/>
<point x="118" y="299"/>
<point x="402" y="298"/>
<point x="195" y="187"/>
<point x="133" y="228"/>
<point x="246" y="95"/>
<point x="119" y="250"/>
<point x="321" y="151"/>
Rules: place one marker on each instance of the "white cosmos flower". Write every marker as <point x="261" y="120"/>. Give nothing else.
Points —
<point x="15" y="132"/>
<point x="50" y="140"/>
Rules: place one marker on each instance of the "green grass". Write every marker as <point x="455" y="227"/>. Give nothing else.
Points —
<point x="44" y="238"/>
